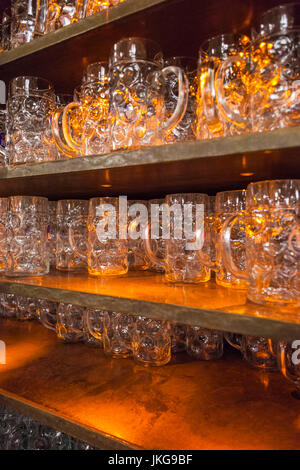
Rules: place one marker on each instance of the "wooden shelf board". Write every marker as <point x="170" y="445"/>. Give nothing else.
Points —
<point x="199" y="166"/>
<point x="208" y="305"/>
<point x="115" y="403"/>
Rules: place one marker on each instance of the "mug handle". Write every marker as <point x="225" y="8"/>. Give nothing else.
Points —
<point x="55" y="128"/>
<point x="229" y="113"/>
<point x="183" y="95"/>
<point x="161" y="263"/>
<point x="205" y="258"/>
<point x="225" y="237"/>
<point x="87" y="323"/>
<point x="233" y="345"/>
<point x="73" y="143"/>
<point x="295" y="233"/>
<point x="44" y="320"/>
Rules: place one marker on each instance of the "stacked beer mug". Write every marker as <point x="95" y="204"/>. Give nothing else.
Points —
<point x="26" y="20"/>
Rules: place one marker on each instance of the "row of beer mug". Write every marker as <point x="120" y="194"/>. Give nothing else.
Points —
<point x="148" y="341"/>
<point x="29" y="19"/>
<point x="139" y="99"/>
<point x="250" y="238"/>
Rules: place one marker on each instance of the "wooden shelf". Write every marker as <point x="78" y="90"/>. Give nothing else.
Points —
<point x="201" y="166"/>
<point x="208" y="305"/>
<point x="117" y="404"/>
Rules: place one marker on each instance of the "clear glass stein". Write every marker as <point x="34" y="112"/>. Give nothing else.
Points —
<point x="60" y="13"/>
<point x="271" y="73"/>
<point x="204" y="344"/>
<point x="255" y="350"/>
<point x="26" y="236"/>
<point x="93" y="107"/>
<point x="117" y="337"/>
<point x="72" y="234"/>
<point x="138" y="84"/>
<point x="151" y="341"/>
<point x="107" y="252"/>
<point x="184" y="233"/>
<point x="227" y="204"/>
<point x="69" y="323"/>
<point x="30" y="103"/>
<point x="271" y="219"/>
<point x="23" y="17"/>
<point x="220" y="85"/>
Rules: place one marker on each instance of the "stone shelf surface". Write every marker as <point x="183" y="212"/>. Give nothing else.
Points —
<point x="207" y="305"/>
<point x="202" y="166"/>
<point x="117" y="404"/>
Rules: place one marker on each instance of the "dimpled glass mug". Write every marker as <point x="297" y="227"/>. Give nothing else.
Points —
<point x="107" y="253"/>
<point x="71" y="235"/>
<point x="272" y="254"/>
<point x="204" y="344"/>
<point x="227" y="203"/>
<point x="138" y="84"/>
<point x="151" y="341"/>
<point x="185" y="233"/>
<point x="26" y="236"/>
<point x="220" y="86"/>
<point x="94" y="107"/>
<point x="270" y="74"/>
<point x="30" y="103"/>
<point x="255" y="350"/>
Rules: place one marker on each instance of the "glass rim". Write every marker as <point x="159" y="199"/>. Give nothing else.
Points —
<point x="181" y="57"/>
<point x="293" y="183"/>
<point x="228" y="38"/>
<point x="17" y="89"/>
<point x="113" y="61"/>
<point x="258" y="34"/>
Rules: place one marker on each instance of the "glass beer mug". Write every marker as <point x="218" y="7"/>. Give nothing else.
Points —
<point x="185" y="234"/>
<point x="187" y="126"/>
<point x="220" y="86"/>
<point x="271" y="73"/>
<point x="93" y="107"/>
<point x="26" y="236"/>
<point x="227" y="204"/>
<point x="107" y="251"/>
<point x="31" y="100"/>
<point x="271" y="221"/>
<point x="137" y="95"/>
